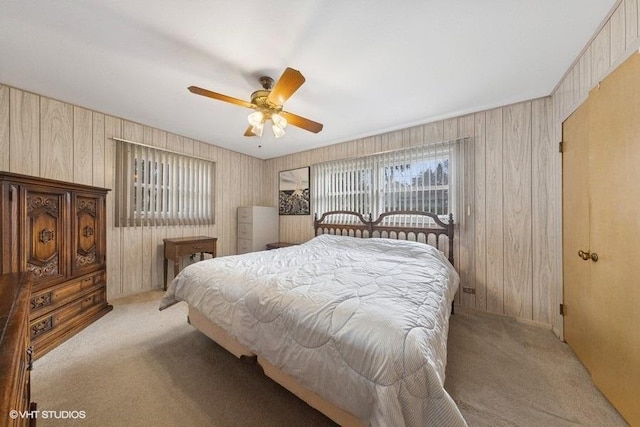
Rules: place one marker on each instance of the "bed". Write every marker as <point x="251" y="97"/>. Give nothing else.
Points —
<point x="354" y="321"/>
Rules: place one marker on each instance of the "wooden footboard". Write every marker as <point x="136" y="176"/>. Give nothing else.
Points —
<point x="213" y="331"/>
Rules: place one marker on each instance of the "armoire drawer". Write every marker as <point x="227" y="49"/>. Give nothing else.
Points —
<point x="66" y="317"/>
<point x="48" y="299"/>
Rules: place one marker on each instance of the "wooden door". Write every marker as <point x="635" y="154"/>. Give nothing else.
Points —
<point x="575" y="233"/>
<point x="601" y="203"/>
<point x="614" y="180"/>
<point x="44" y="238"/>
<point x="88" y="239"/>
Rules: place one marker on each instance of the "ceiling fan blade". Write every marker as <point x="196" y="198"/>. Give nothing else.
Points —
<point x="248" y="131"/>
<point x="301" y="122"/>
<point x="288" y="83"/>
<point x="204" y="92"/>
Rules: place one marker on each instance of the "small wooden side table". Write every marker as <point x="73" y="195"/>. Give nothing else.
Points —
<point x="178" y="247"/>
<point x="277" y="245"/>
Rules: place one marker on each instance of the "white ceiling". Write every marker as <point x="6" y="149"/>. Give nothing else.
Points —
<point x="370" y="65"/>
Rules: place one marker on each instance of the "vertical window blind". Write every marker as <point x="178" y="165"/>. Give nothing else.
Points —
<point x="425" y="178"/>
<point x="161" y="187"/>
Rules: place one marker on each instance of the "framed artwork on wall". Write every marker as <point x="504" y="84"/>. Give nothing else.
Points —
<point x="293" y="197"/>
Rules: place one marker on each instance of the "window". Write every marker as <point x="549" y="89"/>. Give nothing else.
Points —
<point x="421" y="178"/>
<point x="160" y="187"/>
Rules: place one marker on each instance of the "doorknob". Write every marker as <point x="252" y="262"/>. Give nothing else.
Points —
<point x="588" y="256"/>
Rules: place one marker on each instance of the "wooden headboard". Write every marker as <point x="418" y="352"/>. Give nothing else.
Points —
<point x="389" y="224"/>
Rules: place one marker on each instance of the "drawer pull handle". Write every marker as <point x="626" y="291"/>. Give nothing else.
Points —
<point x="30" y="358"/>
<point x="41" y="327"/>
<point x="46" y="235"/>
<point x="88" y="231"/>
<point x="41" y="300"/>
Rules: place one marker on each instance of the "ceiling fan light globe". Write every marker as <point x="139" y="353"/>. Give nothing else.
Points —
<point x="277" y="130"/>
<point x="279" y="121"/>
<point x="257" y="129"/>
<point x="255" y="118"/>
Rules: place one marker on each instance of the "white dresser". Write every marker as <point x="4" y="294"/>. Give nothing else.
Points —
<point x="257" y="226"/>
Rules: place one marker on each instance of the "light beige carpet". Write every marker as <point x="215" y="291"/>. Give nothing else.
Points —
<point x="138" y="366"/>
<point x="502" y="372"/>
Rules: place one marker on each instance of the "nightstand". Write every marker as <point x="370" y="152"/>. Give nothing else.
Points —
<point x="176" y="248"/>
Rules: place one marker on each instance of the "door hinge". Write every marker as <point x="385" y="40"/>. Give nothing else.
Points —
<point x="560" y="146"/>
<point x="563" y="310"/>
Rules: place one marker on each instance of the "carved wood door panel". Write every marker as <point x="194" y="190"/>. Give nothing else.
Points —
<point x="88" y="240"/>
<point x="44" y="239"/>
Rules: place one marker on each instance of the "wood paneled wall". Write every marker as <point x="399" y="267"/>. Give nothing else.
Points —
<point x="53" y="139"/>
<point x="508" y="248"/>
<point x="615" y="40"/>
<point x="504" y="252"/>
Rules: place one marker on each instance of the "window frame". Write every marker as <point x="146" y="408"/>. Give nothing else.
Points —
<point x="449" y="152"/>
<point x="184" y="187"/>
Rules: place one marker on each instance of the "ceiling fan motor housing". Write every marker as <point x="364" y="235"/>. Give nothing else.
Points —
<point x="259" y="98"/>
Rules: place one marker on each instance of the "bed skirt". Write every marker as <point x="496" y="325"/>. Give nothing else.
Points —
<point x="213" y="331"/>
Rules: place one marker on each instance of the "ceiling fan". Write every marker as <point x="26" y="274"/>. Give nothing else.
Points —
<point x="268" y="103"/>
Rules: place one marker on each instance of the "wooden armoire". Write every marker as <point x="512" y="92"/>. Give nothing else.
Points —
<point x="57" y="231"/>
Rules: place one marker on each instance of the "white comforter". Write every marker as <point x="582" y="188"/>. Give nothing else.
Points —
<point x="361" y="322"/>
